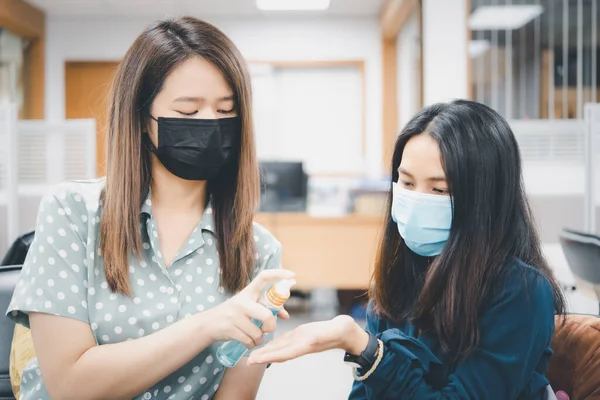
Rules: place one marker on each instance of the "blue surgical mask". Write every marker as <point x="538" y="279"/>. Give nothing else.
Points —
<point x="423" y="220"/>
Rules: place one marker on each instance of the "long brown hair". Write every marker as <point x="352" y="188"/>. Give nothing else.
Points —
<point x="492" y="227"/>
<point x="235" y="191"/>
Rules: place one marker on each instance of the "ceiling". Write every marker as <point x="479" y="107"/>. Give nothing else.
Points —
<point x="216" y="8"/>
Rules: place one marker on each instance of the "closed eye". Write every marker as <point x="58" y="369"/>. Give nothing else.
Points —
<point x="440" y="191"/>
<point x="227" y="112"/>
<point x="406" y="184"/>
<point x="190" y="114"/>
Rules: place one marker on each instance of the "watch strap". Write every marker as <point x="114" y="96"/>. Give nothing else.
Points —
<point x="366" y="359"/>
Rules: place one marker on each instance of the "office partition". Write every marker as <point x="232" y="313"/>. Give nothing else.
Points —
<point x="36" y="155"/>
<point x="559" y="168"/>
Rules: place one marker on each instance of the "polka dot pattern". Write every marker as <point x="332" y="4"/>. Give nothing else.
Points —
<point x="64" y="275"/>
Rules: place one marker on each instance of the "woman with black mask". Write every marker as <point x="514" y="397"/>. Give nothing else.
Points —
<point x="133" y="280"/>
<point x="463" y="301"/>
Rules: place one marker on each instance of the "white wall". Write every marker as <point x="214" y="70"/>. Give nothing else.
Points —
<point x="444" y="50"/>
<point x="301" y="114"/>
<point x="11" y="47"/>
<point x="94" y="39"/>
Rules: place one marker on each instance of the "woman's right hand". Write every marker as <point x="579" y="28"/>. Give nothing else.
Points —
<point x="231" y="320"/>
<point x="342" y="332"/>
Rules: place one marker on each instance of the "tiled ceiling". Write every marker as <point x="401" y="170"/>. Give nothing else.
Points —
<point x="220" y="8"/>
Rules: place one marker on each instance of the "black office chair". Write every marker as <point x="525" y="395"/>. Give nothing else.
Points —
<point x="18" y="250"/>
<point x="582" y="251"/>
<point x="10" y="269"/>
<point x="9" y="275"/>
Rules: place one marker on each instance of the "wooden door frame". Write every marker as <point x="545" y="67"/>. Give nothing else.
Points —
<point x="392" y="18"/>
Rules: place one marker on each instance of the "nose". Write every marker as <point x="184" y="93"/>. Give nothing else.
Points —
<point x="422" y="189"/>
<point x="207" y="113"/>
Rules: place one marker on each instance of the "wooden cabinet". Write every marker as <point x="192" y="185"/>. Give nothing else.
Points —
<point x="334" y="251"/>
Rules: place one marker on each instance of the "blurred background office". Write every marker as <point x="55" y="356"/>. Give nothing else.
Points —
<point x="334" y="81"/>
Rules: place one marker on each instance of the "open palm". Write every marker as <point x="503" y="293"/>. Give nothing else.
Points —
<point x="310" y="338"/>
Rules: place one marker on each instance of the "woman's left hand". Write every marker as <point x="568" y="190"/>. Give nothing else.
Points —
<point x="339" y="333"/>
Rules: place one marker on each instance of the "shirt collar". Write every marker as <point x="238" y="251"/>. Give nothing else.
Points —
<point x="206" y="222"/>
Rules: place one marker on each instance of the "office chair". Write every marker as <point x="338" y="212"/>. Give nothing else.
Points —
<point x="18" y="250"/>
<point x="575" y="365"/>
<point x="582" y="251"/>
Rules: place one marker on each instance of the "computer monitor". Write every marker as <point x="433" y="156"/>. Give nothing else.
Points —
<point x="284" y="186"/>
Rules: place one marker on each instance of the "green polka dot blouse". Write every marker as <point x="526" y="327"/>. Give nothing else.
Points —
<point x="63" y="275"/>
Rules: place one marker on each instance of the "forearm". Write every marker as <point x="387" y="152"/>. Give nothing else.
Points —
<point x="356" y="339"/>
<point x="124" y="370"/>
<point x="230" y="386"/>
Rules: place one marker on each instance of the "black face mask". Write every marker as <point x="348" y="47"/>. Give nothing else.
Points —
<point x="197" y="149"/>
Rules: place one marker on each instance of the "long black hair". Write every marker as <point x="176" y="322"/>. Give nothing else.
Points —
<point x="492" y="226"/>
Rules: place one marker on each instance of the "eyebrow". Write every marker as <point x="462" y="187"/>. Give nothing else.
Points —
<point x="431" y="179"/>
<point x="184" y="99"/>
<point x="437" y="179"/>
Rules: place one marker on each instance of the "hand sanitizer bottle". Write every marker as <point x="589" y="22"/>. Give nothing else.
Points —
<point x="231" y="352"/>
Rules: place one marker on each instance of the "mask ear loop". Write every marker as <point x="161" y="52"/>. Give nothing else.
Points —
<point x="147" y="143"/>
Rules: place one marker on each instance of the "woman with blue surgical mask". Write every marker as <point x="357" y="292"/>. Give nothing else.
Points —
<point x="463" y="301"/>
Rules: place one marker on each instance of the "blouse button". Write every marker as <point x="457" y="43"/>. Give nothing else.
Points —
<point x="147" y="395"/>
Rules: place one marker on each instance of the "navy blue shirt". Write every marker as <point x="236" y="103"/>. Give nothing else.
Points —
<point x="510" y="362"/>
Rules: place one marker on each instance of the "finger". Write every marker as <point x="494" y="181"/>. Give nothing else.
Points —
<point x="283" y="314"/>
<point x="265" y="278"/>
<point x="262" y="314"/>
<point x="252" y="331"/>
<point x="280" y="355"/>
<point x="240" y="336"/>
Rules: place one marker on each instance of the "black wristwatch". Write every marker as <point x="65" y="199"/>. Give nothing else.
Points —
<point x="366" y="359"/>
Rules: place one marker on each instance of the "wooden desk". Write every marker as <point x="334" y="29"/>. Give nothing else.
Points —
<point x="331" y="251"/>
